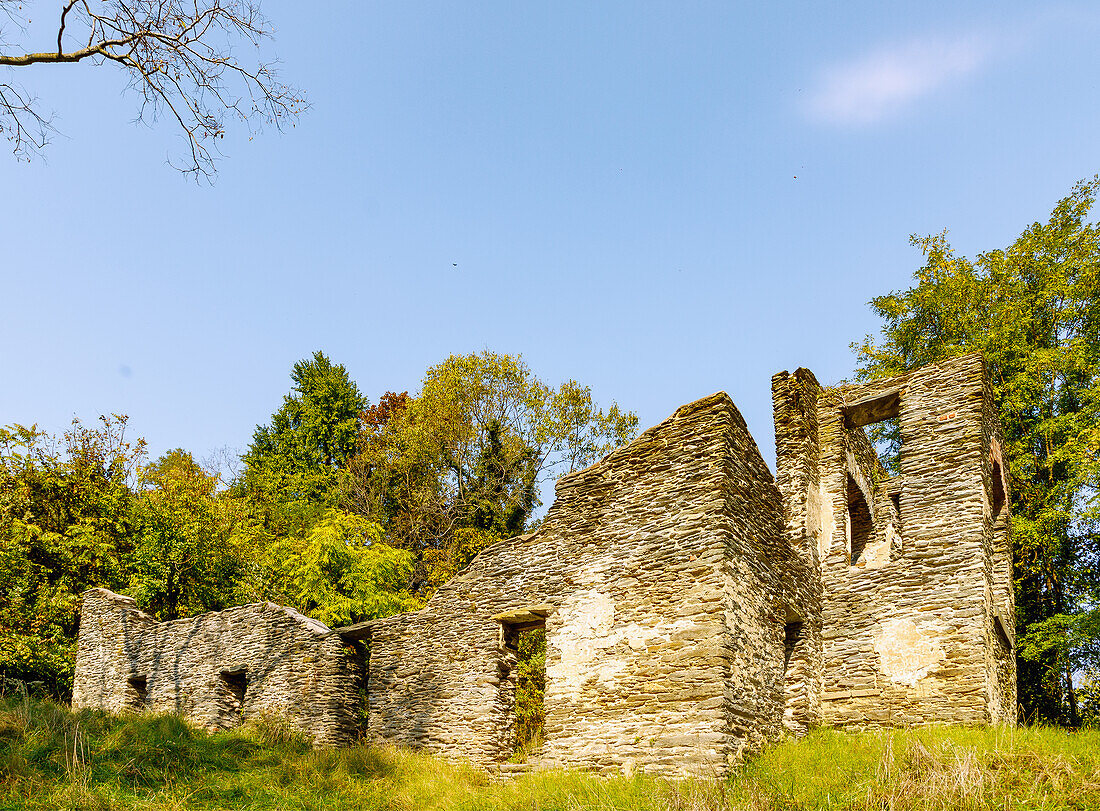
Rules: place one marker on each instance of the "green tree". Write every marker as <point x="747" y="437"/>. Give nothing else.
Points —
<point x="1033" y="310"/>
<point x="65" y="526"/>
<point x="500" y="491"/>
<point x="296" y="466"/>
<point x="340" y="571"/>
<point x="469" y="451"/>
<point x="191" y="546"/>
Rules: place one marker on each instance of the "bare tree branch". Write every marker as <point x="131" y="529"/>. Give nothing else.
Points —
<point x="20" y="121"/>
<point x="179" y="58"/>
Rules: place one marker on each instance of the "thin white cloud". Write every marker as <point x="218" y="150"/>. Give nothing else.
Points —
<point x="886" y="81"/>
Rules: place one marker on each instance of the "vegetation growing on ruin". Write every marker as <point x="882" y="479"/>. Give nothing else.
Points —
<point x="530" y="689"/>
<point x="51" y="758"/>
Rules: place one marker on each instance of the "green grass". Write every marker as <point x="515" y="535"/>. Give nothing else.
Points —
<point x="53" y="758"/>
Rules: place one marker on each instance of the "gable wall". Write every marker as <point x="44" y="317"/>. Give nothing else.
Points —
<point x="654" y="615"/>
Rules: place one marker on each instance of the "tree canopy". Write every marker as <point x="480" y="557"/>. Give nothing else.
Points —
<point x="458" y="465"/>
<point x="297" y="461"/>
<point x="66" y="525"/>
<point x="190" y="547"/>
<point x="1033" y="310"/>
<point x="340" y="571"/>
<point x="344" y="510"/>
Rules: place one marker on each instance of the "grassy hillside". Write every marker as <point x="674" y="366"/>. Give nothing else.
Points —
<point x="52" y="758"/>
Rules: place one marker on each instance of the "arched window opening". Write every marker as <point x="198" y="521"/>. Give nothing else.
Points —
<point x="860" y="524"/>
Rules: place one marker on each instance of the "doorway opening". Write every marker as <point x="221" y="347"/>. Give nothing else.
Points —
<point x="530" y="686"/>
<point x="137" y="692"/>
<point x="792" y="635"/>
<point x="524" y="639"/>
<point x="232" y="685"/>
<point x="795" y="673"/>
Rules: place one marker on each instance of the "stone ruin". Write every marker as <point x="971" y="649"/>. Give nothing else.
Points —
<point x="694" y="605"/>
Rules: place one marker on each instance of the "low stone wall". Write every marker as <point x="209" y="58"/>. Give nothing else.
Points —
<point x="219" y="669"/>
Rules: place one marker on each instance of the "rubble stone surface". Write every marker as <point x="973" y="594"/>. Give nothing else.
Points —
<point x="219" y="669"/>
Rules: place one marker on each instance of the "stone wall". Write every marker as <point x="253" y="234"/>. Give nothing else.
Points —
<point x="1001" y="599"/>
<point x="798" y="476"/>
<point x="218" y="669"/>
<point x="665" y="586"/>
<point x="909" y="614"/>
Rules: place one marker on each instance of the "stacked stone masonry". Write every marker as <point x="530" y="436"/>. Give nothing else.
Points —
<point x="219" y="669"/>
<point x="694" y="606"/>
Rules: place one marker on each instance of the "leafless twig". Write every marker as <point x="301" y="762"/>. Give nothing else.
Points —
<point x="180" y="60"/>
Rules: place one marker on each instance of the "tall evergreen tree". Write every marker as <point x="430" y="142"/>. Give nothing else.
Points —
<point x="501" y="493"/>
<point x="300" y="456"/>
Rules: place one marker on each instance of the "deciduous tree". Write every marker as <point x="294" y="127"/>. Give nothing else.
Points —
<point x="65" y="526"/>
<point x="191" y="547"/>
<point x="1033" y="310"/>
<point x="340" y="571"/>
<point x="469" y="451"/>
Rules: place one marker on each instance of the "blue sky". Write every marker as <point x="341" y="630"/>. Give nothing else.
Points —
<point x="660" y="200"/>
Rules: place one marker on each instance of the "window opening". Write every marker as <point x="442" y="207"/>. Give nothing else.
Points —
<point x="859" y="520"/>
<point x="895" y="498"/>
<point x="361" y="658"/>
<point x="792" y="635"/>
<point x="233" y="684"/>
<point x="885" y="438"/>
<point x="998" y="490"/>
<point x="880" y="418"/>
<point x="137" y="691"/>
<point x="1002" y="632"/>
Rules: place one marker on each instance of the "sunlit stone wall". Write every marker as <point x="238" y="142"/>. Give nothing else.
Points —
<point x="219" y="669"/>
